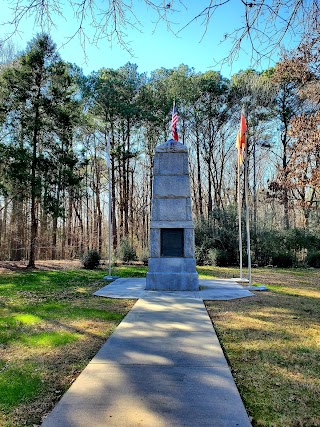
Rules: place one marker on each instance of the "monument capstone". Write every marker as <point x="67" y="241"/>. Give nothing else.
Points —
<point x="172" y="264"/>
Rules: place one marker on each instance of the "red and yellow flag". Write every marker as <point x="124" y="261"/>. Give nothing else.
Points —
<point x="241" y="138"/>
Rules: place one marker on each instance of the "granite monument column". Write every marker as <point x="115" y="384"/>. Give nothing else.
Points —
<point x="172" y="265"/>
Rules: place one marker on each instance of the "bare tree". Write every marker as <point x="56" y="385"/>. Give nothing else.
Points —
<point x="263" y="23"/>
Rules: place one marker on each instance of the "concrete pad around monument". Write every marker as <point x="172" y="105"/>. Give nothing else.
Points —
<point x="220" y="289"/>
<point x="120" y="396"/>
<point x="123" y="288"/>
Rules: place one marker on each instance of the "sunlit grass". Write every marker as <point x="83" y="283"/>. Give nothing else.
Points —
<point x="51" y="325"/>
<point x="27" y="319"/>
<point x="18" y="384"/>
<point x="130" y="271"/>
<point x="50" y="339"/>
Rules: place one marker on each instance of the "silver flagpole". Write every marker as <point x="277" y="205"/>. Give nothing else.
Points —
<point x="109" y="190"/>
<point x="239" y="217"/>
<point x="246" y="190"/>
<point x="109" y="277"/>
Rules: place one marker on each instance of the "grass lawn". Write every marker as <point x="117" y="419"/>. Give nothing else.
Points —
<point x="272" y="343"/>
<point x="51" y="326"/>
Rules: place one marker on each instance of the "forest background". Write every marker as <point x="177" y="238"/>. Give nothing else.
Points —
<point x="55" y="123"/>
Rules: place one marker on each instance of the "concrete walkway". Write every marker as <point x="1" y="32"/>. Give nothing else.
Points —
<point x="162" y="367"/>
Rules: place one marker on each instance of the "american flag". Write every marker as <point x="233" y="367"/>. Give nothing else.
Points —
<point x="174" y="123"/>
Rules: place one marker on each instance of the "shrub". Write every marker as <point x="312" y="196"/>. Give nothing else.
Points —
<point x="224" y="258"/>
<point x="201" y="254"/>
<point x="284" y="260"/>
<point x="298" y="239"/>
<point x="90" y="259"/>
<point x="212" y="256"/>
<point x="215" y="241"/>
<point x="313" y="259"/>
<point x="144" y="257"/>
<point x="126" y="251"/>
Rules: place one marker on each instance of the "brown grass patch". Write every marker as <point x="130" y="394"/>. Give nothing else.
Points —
<point x="272" y="342"/>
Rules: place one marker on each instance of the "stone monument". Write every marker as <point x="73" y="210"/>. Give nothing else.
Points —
<point x="172" y="265"/>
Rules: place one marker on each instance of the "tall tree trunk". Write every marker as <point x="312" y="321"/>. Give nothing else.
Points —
<point x="4" y="230"/>
<point x="209" y="189"/>
<point x="87" y="213"/>
<point x="286" y="209"/>
<point x="63" y="242"/>
<point x="99" y="216"/>
<point x="78" y="215"/>
<point x="121" y="198"/>
<point x="54" y="238"/>
<point x="33" y="231"/>
<point x="69" y="227"/>
<point x="131" y="201"/>
<point x="127" y="182"/>
<point x="199" y="185"/>
<point x="285" y="189"/>
<point x="34" y="219"/>
<point x="113" y="197"/>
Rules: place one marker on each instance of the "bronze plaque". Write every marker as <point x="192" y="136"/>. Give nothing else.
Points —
<point x="172" y="242"/>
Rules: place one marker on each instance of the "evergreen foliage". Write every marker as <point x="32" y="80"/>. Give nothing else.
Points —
<point x="217" y="243"/>
<point x="90" y="259"/>
<point x="126" y="251"/>
<point x="215" y="238"/>
<point x="313" y="259"/>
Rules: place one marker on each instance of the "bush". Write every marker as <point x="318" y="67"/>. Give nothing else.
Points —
<point x="91" y="259"/>
<point x="126" y="251"/>
<point x="201" y="254"/>
<point x="216" y="238"/>
<point x="144" y="257"/>
<point x="313" y="259"/>
<point x="224" y="258"/>
<point x="284" y="260"/>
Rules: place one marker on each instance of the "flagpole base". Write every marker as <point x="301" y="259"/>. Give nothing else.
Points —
<point x="240" y="280"/>
<point x="257" y="288"/>
<point x="110" y="278"/>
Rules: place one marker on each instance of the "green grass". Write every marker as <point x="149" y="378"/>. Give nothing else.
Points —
<point x="19" y="384"/>
<point x="51" y="325"/>
<point x="130" y="271"/>
<point x="50" y="339"/>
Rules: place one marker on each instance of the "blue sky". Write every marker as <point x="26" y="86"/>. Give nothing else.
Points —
<point x="153" y="45"/>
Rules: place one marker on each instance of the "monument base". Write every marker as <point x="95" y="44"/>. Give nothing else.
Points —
<point x="172" y="274"/>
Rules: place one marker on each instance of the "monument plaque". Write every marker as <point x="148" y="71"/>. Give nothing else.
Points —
<point x="172" y="264"/>
<point x="172" y="241"/>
